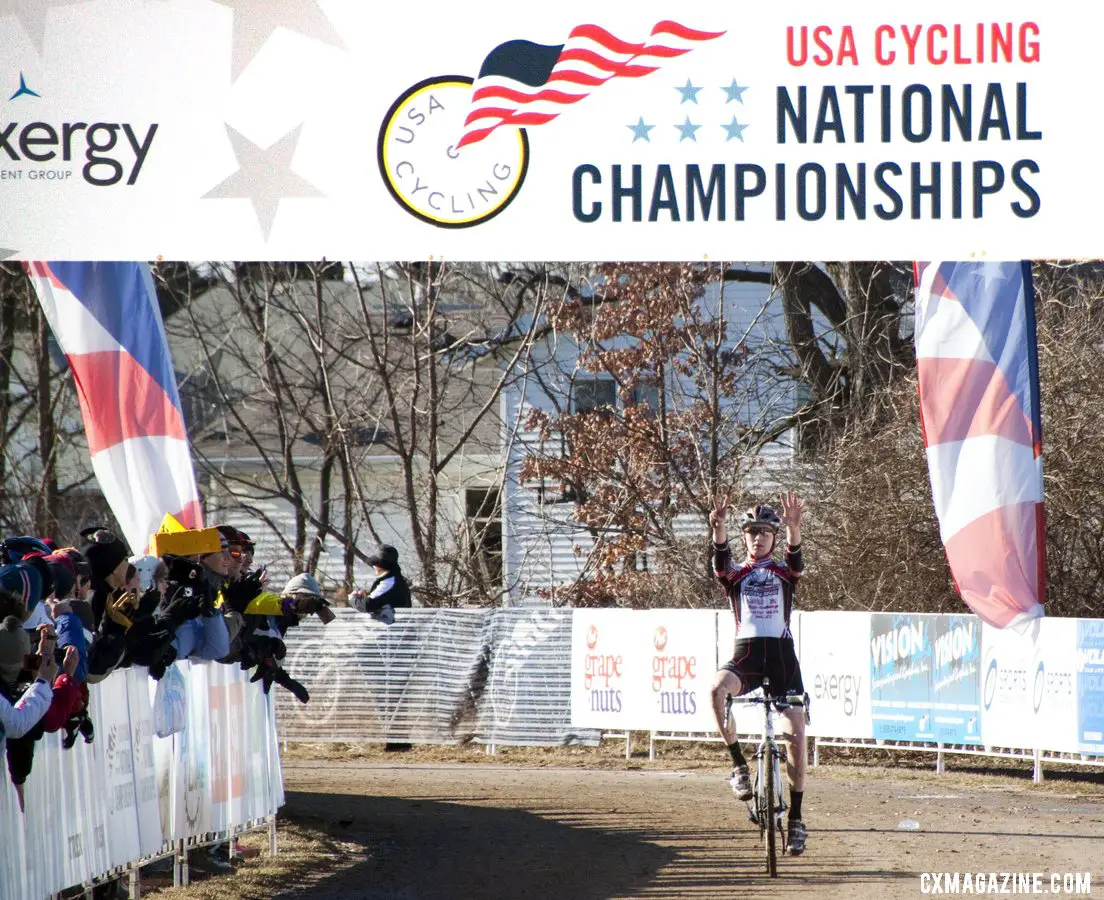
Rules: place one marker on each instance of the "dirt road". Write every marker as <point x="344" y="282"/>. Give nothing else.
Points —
<point x="441" y="830"/>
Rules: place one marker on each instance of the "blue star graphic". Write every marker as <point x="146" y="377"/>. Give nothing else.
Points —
<point x="640" y="131"/>
<point x="734" y="92"/>
<point x="735" y="130"/>
<point x="689" y="92"/>
<point x="687" y="130"/>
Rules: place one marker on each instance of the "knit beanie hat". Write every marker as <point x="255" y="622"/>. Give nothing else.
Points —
<point x="104" y="554"/>
<point x="23" y="580"/>
<point x="15" y="643"/>
<point x="13" y="549"/>
<point x="63" y="572"/>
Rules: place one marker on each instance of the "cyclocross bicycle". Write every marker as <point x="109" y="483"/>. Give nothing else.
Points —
<point x="767" y="806"/>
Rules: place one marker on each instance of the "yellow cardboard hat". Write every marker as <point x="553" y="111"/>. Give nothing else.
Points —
<point x="175" y="539"/>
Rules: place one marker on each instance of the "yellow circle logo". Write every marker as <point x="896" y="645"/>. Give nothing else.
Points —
<point x="432" y="179"/>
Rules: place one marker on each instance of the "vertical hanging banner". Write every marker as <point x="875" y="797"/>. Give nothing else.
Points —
<point x="978" y="377"/>
<point x="106" y="319"/>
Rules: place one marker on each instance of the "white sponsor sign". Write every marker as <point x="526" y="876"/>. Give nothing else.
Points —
<point x="96" y="806"/>
<point x="604" y="646"/>
<point x="352" y="130"/>
<point x="835" y="666"/>
<point x="1028" y="686"/>
<point x="680" y="651"/>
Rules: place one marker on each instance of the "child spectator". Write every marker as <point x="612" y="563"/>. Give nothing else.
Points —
<point x="388" y="592"/>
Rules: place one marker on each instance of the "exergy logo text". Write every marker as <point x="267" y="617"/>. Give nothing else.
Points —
<point x="107" y="158"/>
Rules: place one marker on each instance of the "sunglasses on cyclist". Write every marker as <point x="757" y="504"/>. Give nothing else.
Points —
<point x="235" y="554"/>
<point x="756" y="532"/>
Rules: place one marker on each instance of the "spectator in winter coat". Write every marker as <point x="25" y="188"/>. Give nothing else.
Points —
<point x="26" y="696"/>
<point x="17" y="718"/>
<point x="388" y="592"/>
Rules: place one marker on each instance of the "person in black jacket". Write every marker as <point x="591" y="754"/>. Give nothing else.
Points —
<point x="388" y="592"/>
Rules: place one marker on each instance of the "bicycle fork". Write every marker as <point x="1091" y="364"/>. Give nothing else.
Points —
<point x="758" y="803"/>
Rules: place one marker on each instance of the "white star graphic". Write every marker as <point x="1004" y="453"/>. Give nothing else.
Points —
<point x="31" y="15"/>
<point x="256" y="20"/>
<point x="989" y="272"/>
<point x="264" y="177"/>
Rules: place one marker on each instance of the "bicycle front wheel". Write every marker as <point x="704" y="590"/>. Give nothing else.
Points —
<point x="767" y="808"/>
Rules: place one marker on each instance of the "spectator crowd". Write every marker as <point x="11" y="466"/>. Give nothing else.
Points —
<point x="69" y="617"/>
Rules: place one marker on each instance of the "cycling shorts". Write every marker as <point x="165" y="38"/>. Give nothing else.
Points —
<point x="757" y="658"/>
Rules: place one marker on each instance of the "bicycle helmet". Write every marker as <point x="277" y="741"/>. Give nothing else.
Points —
<point x="760" y="516"/>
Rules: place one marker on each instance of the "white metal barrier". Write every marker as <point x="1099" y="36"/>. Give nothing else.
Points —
<point x="100" y="810"/>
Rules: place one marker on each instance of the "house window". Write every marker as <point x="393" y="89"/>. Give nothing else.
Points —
<point x="483" y="512"/>
<point x="647" y="393"/>
<point x="593" y="394"/>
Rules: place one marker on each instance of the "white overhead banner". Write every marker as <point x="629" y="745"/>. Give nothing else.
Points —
<point x="303" y="129"/>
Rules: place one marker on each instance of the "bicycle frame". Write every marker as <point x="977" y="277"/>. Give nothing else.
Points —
<point x="768" y="804"/>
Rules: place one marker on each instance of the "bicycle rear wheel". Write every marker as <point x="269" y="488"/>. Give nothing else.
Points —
<point x="767" y="811"/>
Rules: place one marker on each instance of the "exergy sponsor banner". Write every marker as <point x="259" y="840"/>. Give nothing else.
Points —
<point x="642" y="131"/>
<point x="603" y="644"/>
<point x="1028" y="686"/>
<point x="834" y="652"/>
<point x="1090" y="685"/>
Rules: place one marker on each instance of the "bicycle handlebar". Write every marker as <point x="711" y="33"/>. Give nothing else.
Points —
<point x="799" y="700"/>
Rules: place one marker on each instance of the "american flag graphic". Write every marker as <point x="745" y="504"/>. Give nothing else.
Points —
<point x="106" y="319"/>
<point x="522" y="83"/>
<point x="979" y="407"/>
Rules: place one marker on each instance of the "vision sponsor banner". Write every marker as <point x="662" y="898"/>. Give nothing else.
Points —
<point x="834" y="652"/>
<point x="900" y="676"/>
<point x="1090" y="685"/>
<point x="1028" y="686"/>
<point x="956" y="679"/>
<point x="605" y="651"/>
<point x="680" y="651"/>
<point x="630" y="131"/>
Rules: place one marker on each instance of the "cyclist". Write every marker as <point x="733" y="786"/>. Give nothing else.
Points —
<point x="761" y="592"/>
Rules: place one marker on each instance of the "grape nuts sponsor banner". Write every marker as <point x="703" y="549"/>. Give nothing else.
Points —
<point x="680" y="648"/>
<point x="835" y="666"/>
<point x="602" y="643"/>
<point x="1028" y="686"/>
<point x="653" y="130"/>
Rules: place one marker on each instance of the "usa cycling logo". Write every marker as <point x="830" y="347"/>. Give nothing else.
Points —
<point x="453" y="150"/>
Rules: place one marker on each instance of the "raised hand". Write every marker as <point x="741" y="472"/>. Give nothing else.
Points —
<point x="792" y="508"/>
<point x="719" y="512"/>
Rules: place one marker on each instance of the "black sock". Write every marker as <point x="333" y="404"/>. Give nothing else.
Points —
<point x="736" y="754"/>
<point x="795" y="804"/>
